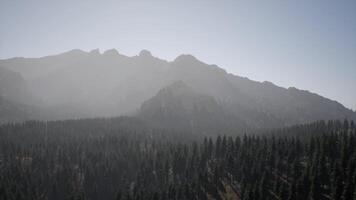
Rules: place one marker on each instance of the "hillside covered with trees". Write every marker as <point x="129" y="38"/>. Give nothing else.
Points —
<point x="123" y="159"/>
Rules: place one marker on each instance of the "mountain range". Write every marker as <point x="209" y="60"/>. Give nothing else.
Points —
<point x="185" y="93"/>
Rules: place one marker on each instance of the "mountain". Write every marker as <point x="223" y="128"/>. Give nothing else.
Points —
<point x="14" y="88"/>
<point x="180" y="108"/>
<point x="94" y="84"/>
<point x="16" y="112"/>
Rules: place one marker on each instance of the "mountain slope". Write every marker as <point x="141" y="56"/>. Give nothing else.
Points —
<point x="289" y="106"/>
<point x="110" y="84"/>
<point x="16" y="112"/>
<point x="14" y="88"/>
<point x="179" y="107"/>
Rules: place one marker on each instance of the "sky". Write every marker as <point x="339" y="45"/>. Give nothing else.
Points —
<point x="308" y="44"/>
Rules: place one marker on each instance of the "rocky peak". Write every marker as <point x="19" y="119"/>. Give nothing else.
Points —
<point x="185" y="58"/>
<point x="145" y="53"/>
<point x="95" y="52"/>
<point x="111" y="52"/>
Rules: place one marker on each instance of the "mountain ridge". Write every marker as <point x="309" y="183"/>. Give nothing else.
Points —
<point x="111" y="84"/>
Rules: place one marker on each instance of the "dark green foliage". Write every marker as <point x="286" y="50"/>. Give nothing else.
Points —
<point x="117" y="159"/>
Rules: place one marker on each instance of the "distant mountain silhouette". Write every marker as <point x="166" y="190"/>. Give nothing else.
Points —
<point x="11" y="111"/>
<point x="93" y="84"/>
<point x="13" y="87"/>
<point x="179" y="107"/>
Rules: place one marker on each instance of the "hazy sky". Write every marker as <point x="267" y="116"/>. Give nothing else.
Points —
<point x="309" y="44"/>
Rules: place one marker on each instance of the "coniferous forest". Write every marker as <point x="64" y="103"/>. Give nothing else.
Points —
<point x="122" y="159"/>
<point x="177" y="100"/>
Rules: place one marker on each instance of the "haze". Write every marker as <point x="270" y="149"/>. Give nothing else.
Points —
<point x="306" y="44"/>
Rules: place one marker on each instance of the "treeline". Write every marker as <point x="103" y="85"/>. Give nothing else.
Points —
<point x="121" y="159"/>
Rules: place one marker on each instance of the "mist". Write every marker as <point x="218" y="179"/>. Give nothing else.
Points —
<point x="177" y="100"/>
<point x="292" y="44"/>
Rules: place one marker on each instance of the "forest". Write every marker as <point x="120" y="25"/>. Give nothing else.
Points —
<point x="122" y="159"/>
